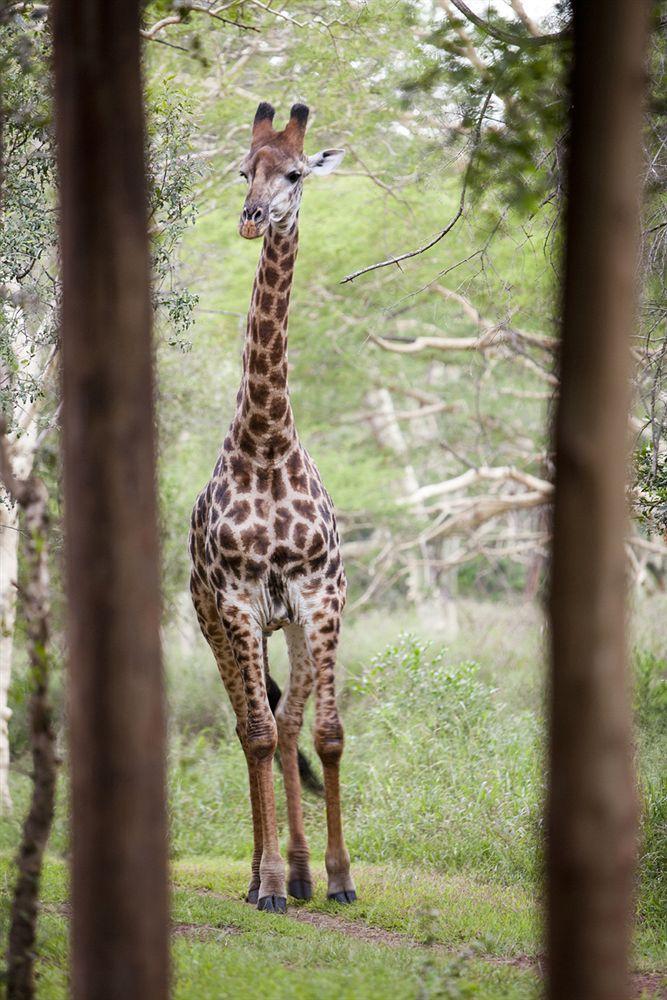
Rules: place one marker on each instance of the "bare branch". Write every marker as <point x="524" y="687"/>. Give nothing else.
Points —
<point x="292" y="20"/>
<point x="150" y="33"/>
<point x="474" y="476"/>
<point x="493" y="337"/>
<point x="478" y="510"/>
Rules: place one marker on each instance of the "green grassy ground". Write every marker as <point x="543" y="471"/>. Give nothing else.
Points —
<point x="443" y="781"/>
<point x="413" y="934"/>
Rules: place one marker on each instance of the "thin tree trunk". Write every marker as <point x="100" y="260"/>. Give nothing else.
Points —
<point x="9" y="561"/>
<point x="21" y="447"/>
<point x="389" y="436"/>
<point x="116" y="710"/>
<point x="33" y="498"/>
<point x="591" y="824"/>
<point x="420" y="582"/>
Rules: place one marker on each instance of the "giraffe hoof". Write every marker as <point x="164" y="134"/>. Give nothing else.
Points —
<point x="299" y="889"/>
<point x="272" y="904"/>
<point x="253" y="896"/>
<point x="348" y="896"/>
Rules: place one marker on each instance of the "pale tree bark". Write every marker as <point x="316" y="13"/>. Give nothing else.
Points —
<point x="35" y="363"/>
<point x="30" y="494"/>
<point x="115" y="696"/>
<point x="9" y="538"/>
<point x="591" y="813"/>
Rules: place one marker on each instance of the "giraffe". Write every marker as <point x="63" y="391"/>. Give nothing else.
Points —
<point x="264" y="543"/>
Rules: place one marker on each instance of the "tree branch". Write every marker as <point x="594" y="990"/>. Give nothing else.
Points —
<point x="501" y="35"/>
<point x="520" y="11"/>
<point x="150" y="33"/>
<point x="474" y="476"/>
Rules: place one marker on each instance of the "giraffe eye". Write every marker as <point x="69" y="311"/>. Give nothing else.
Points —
<point x="243" y="175"/>
<point x="293" y="176"/>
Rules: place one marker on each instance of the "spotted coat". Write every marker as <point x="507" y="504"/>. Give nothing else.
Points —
<point x="265" y="556"/>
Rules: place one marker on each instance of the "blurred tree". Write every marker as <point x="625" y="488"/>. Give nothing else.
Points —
<point x="116" y="717"/>
<point x="591" y="831"/>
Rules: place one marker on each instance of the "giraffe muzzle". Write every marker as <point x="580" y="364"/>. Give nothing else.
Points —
<point x="253" y="222"/>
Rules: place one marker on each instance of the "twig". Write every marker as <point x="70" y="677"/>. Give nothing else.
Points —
<point x="415" y="414"/>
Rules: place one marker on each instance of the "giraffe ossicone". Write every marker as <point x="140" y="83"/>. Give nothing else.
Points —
<point x="264" y="543"/>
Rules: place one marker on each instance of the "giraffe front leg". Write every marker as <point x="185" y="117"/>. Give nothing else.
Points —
<point x="217" y="639"/>
<point x="255" y="880"/>
<point x="261" y="739"/>
<point x="329" y="742"/>
<point x="289" y="718"/>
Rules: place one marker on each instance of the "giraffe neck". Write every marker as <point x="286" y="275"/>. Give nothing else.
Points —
<point x="264" y="426"/>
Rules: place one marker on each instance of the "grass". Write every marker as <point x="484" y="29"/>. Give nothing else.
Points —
<point x="443" y="781"/>
<point x="414" y="934"/>
<point x="215" y="932"/>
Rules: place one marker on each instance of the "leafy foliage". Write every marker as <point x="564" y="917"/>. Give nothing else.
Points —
<point x="526" y="118"/>
<point x="29" y="284"/>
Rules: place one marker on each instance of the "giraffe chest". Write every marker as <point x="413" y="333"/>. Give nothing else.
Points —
<point x="271" y="539"/>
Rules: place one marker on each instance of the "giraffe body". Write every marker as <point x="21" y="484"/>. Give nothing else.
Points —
<point x="265" y="548"/>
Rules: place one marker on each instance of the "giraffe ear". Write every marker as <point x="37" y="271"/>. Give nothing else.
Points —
<point x="262" y="126"/>
<point x="325" y="161"/>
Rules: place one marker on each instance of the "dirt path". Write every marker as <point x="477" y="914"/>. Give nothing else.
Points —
<point x="643" y="982"/>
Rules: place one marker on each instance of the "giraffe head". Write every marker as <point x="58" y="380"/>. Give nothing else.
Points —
<point x="275" y="169"/>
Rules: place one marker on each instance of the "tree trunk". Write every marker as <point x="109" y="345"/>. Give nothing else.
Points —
<point x="22" y="453"/>
<point x="591" y="824"/>
<point x="9" y="561"/>
<point x="21" y="447"/>
<point x="389" y="436"/>
<point x="33" y="498"/>
<point x="116" y="710"/>
<point x="420" y="583"/>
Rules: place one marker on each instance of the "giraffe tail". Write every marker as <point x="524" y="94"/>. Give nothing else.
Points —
<point x="308" y="777"/>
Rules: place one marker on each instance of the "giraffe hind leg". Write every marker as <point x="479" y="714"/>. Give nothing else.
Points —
<point x="329" y="740"/>
<point x="289" y="718"/>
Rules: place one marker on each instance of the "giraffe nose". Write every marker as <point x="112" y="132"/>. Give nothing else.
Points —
<point x="253" y="213"/>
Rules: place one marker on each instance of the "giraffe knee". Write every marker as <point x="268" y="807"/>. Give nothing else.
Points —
<point x="289" y="719"/>
<point x="261" y="736"/>
<point x="329" y="740"/>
